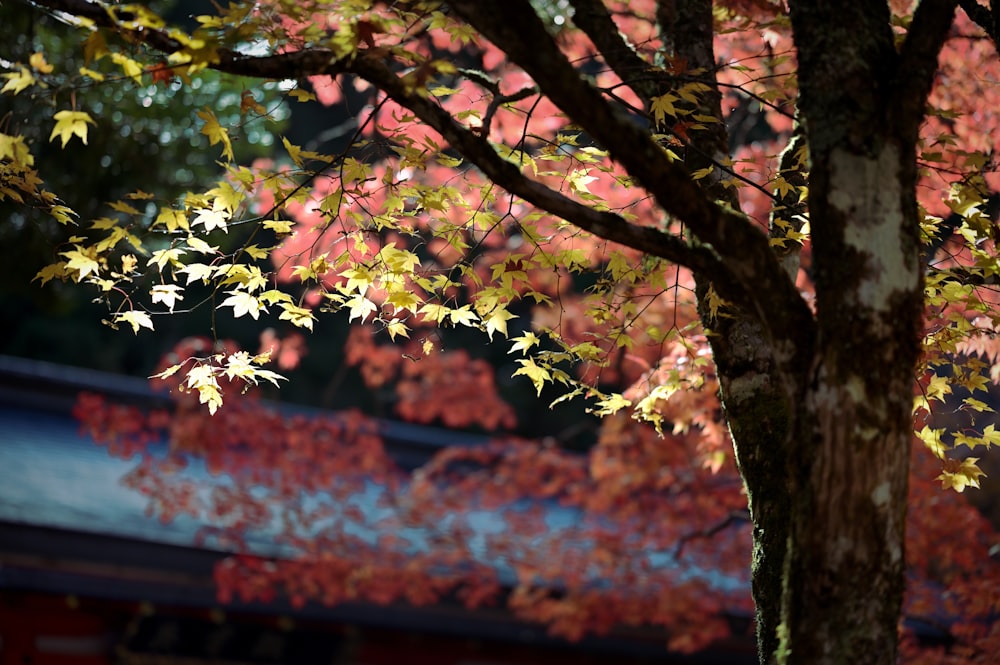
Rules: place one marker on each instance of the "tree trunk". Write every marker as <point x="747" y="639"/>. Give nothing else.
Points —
<point x="849" y="464"/>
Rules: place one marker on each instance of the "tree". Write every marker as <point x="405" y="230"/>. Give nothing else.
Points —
<point x="127" y="153"/>
<point x="513" y="150"/>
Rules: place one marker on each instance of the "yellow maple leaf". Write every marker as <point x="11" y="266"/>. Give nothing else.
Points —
<point x="958" y="475"/>
<point x="168" y="294"/>
<point x="497" y="322"/>
<point x="17" y="81"/>
<point x="211" y="219"/>
<point x="136" y="319"/>
<point x="81" y="261"/>
<point x="216" y="133"/>
<point x="243" y="303"/>
<point x="172" y="219"/>
<point x="299" y="316"/>
<point x="70" y="124"/>
<point x="538" y="375"/>
<point x="38" y="63"/>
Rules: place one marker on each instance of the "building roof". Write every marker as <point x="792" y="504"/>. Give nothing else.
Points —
<point x="67" y="524"/>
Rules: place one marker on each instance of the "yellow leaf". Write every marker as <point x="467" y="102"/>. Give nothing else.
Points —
<point x="243" y="303"/>
<point x="81" y="261"/>
<point x="69" y="124"/>
<point x="255" y="252"/>
<point x="38" y="63"/>
<point x="279" y="227"/>
<point x="211" y="219"/>
<point x="62" y="214"/>
<point x="97" y="76"/>
<point x="959" y="475"/>
<point x="610" y="405"/>
<point x="524" y="342"/>
<point x="198" y="271"/>
<point x="17" y="81"/>
<point x="538" y="375"/>
<point x="52" y="271"/>
<point x="662" y="107"/>
<point x="168" y="294"/>
<point x="463" y="315"/>
<point x="497" y="322"/>
<point x="938" y="387"/>
<point x="302" y="95"/>
<point x="361" y="307"/>
<point x="294" y="151"/>
<point x="172" y="219"/>
<point x="164" y="256"/>
<point x="216" y="133"/>
<point x="397" y="328"/>
<point x="200" y="246"/>
<point x="299" y="316"/>
<point x="136" y="319"/>
<point x="168" y="372"/>
<point x="130" y="67"/>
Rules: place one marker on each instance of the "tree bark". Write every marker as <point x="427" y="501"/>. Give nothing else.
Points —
<point x="861" y="102"/>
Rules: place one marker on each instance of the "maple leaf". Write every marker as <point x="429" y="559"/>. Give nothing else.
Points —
<point x="136" y="319"/>
<point x="524" y="342"/>
<point x="70" y="124"/>
<point x="397" y="328"/>
<point x="168" y="294"/>
<point x="211" y="219"/>
<point x="242" y="365"/>
<point x="200" y="246"/>
<point x="167" y="373"/>
<point x="164" y="256"/>
<point x="497" y="322"/>
<point x="39" y="64"/>
<point x="611" y="404"/>
<point x="216" y="133"/>
<point x="17" y="81"/>
<point x="662" y="107"/>
<point x="202" y="378"/>
<point x="360" y="307"/>
<point x="51" y="271"/>
<point x="579" y="179"/>
<point x="280" y="227"/>
<point x="172" y="219"/>
<point x="530" y="369"/>
<point x="243" y="303"/>
<point x="81" y="261"/>
<point x="62" y="214"/>
<point x="298" y="316"/>
<point x="958" y="475"/>
<point x="463" y="315"/>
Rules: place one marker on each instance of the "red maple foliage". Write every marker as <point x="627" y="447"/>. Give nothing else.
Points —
<point x="643" y="528"/>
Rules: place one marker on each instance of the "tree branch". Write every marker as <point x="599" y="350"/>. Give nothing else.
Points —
<point x="766" y="289"/>
<point x="734" y="253"/>
<point x="593" y="18"/>
<point x="292" y="65"/>
<point x="478" y="150"/>
<point x="982" y="16"/>
<point x="918" y="58"/>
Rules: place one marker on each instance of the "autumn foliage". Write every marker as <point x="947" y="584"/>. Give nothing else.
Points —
<point x="471" y="196"/>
